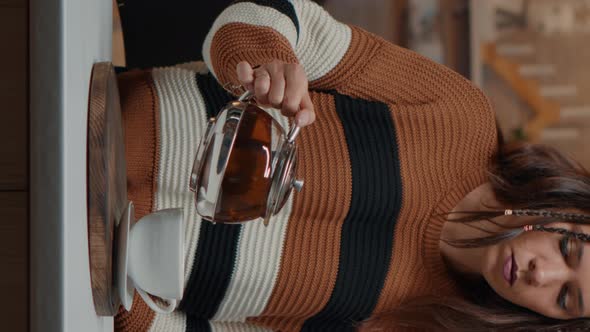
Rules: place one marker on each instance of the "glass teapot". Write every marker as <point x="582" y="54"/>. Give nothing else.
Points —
<point x="245" y="165"/>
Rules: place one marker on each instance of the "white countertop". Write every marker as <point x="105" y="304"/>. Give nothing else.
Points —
<point x="66" y="38"/>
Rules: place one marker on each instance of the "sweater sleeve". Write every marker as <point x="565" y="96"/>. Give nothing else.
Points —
<point x="259" y="31"/>
<point x="335" y="56"/>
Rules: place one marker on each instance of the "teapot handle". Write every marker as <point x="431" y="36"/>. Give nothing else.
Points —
<point x="293" y="133"/>
<point x="246" y="96"/>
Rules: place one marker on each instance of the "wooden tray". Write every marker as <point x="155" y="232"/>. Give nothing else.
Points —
<point x="106" y="180"/>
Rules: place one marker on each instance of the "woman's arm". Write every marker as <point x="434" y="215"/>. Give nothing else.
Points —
<point x="261" y="31"/>
<point x="334" y="56"/>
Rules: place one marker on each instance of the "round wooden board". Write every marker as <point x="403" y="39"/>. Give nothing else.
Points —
<point x="106" y="181"/>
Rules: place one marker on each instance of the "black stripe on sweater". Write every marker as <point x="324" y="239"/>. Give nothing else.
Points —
<point x="283" y="6"/>
<point x="217" y="247"/>
<point x="368" y="230"/>
<point x="194" y="324"/>
<point x="213" y="93"/>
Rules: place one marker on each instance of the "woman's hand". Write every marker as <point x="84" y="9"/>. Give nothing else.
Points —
<point x="280" y="85"/>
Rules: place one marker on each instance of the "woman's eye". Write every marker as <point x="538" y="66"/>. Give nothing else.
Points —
<point x="565" y="247"/>
<point x="562" y="298"/>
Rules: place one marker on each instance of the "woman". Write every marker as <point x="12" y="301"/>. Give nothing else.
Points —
<point x="411" y="216"/>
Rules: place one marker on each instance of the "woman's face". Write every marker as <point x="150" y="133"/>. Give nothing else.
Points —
<point x="545" y="272"/>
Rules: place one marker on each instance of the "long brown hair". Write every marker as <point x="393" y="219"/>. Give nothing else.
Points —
<point x="525" y="177"/>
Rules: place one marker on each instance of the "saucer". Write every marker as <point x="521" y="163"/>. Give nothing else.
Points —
<point x="125" y="287"/>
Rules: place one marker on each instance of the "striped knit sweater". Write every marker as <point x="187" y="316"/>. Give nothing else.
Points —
<point x="398" y="140"/>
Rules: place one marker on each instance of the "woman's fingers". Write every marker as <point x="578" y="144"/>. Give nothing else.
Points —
<point x="295" y="89"/>
<point x="280" y="85"/>
<point x="306" y="114"/>
<point x="277" y="84"/>
<point x="246" y="75"/>
<point x="297" y="101"/>
<point x="261" y="85"/>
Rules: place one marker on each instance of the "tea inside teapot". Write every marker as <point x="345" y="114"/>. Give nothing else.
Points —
<point x="247" y="178"/>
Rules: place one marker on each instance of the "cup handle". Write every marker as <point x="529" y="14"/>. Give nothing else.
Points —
<point x="155" y="306"/>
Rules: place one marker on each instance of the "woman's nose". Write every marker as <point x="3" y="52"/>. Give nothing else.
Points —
<point x="543" y="273"/>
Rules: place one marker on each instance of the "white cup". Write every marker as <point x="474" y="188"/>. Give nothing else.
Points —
<point x="156" y="258"/>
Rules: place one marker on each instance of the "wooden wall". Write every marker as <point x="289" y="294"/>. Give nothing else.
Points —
<point x="455" y="35"/>
<point x="14" y="165"/>
<point x="390" y="20"/>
